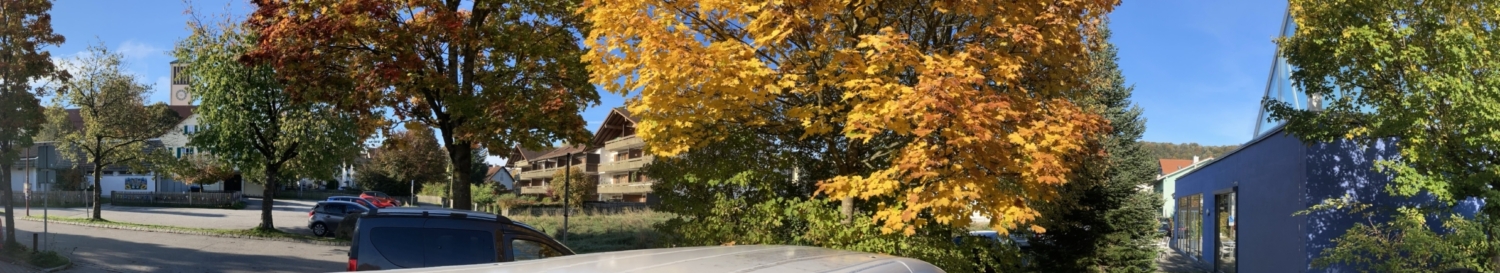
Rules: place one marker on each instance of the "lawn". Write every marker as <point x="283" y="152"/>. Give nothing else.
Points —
<point x="591" y="232"/>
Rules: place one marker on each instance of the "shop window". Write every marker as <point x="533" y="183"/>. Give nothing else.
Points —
<point x="1225" y="212"/>
<point x="1189" y="231"/>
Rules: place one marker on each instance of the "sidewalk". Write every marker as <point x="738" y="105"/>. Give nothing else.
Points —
<point x="1172" y="262"/>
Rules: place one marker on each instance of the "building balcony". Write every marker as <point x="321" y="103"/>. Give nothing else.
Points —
<point x="534" y="174"/>
<point x="534" y="190"/>
<point x="625" y="188"/>
<point x="548" y="172"/>
<point x="623" y="143"/>
<point x="626" y="165"/>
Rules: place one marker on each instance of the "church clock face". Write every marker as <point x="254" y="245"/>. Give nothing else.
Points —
<point x="181" y="94"/>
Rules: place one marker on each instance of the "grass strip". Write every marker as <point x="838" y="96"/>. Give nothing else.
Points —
<point x="276" y="235"/>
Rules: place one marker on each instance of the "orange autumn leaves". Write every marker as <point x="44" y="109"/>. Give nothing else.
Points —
<point x="976" y="93"/>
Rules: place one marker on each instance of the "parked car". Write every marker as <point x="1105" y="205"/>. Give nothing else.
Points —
<point x="326" y="215"/>
<point x="747" y="258"/>
<point x="417" y="238"/>
<point x="380" y="199"/>
<point x="355" y="199"/>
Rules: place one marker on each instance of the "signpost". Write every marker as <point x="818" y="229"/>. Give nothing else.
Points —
<point x="567" y="178"/>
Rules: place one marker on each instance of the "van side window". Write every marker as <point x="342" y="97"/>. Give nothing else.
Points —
<point x="523" y="249"/>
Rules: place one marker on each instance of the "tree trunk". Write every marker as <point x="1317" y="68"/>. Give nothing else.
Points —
<point x="459" y="156"/>
<point x="98" y="190"/>
<point x="847" y="210"/>
<point x="10" y="207"/>
<point x="268" y="199"/>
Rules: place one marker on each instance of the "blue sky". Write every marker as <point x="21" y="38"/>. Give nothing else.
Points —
<point x="1199" y="67"/>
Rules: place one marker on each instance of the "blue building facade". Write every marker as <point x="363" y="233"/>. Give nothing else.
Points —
<point x="1237" y="213"/>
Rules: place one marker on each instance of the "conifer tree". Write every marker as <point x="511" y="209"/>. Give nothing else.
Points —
<point x="1104" y="222"/>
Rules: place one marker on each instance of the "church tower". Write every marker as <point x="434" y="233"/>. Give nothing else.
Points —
<point x="179" y="95"/>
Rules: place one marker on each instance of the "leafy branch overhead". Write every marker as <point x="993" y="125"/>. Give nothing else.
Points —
<point x="940" y="108"/>
<point x="484" y="73"/>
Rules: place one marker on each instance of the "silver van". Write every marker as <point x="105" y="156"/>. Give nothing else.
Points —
<point x="753" y="258"/>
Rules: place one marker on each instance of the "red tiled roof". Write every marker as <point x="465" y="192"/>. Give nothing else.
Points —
<point x="1169" y="166"/>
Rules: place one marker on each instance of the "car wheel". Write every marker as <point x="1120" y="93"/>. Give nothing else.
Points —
<point x="319" y="229"/>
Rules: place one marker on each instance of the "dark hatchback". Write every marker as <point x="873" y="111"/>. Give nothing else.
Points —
<point x="415" y="238"/>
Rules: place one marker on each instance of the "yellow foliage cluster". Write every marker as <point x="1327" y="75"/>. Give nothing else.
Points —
<point x="977" y="90"/>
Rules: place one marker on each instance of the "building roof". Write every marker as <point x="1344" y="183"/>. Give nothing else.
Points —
<point x="1169" y="166"/>
<point x="518" y="154"/>
<point x="493" y="170"/>
<point x="626" y="113"/>
<point x="183" y="112"/>
<point x="579" y="148"/>
<point x="618" y="124"/>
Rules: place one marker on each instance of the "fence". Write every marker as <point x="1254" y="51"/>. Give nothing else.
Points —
<point x="590" y="208"/>
<point x="170" y="199"/>
<point x="54" y="198"/>
<point x="304" y="195"/>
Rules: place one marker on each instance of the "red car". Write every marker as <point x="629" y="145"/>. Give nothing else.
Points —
<point x="380" y="199"/>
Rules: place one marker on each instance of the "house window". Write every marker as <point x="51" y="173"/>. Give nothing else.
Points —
<point x="622" y="155"/>
<point x="636" y="153"/>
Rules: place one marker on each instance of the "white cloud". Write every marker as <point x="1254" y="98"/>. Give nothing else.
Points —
<point x="135" y="51"/>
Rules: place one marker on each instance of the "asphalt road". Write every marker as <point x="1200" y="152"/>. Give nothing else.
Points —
<point x="287" y="215"/>
<point x="113" y="250"/>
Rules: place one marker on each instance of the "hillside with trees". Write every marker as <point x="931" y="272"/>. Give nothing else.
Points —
<point x="1159" y="150"/>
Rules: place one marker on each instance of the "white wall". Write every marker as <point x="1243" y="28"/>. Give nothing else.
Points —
<point x="18" y="178"/>
<point x="175" y="138"/>
<point x="112" y="183"/>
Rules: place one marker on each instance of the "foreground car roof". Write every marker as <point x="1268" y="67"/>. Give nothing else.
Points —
<point x="706" y="259"/>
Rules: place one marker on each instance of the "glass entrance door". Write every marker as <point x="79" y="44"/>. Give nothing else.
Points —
<point x="1224" y="211"/>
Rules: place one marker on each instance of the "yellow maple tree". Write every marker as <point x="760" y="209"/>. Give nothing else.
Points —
<point x="935" y="111"/>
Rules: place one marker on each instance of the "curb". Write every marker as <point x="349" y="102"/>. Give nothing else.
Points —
<point x="28" y="265"/>
<point x="192" y="232"/>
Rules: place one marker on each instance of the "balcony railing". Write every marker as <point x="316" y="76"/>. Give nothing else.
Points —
<point x="534" y="190"/>
<point x="548" y="172"/>
<point x="623" y="143"/>
<point x="626" y="165"/>
<point x="641" y="187"/>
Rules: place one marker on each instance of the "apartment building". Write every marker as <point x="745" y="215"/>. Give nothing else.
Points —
<point x="614" y="157"/>
<point x="534" y="169"/>
<point x="620" y="174"/>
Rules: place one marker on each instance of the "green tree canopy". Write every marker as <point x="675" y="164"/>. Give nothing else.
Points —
<point x="249" y="122"/>
<point x="25" y="29"/>
<point x="1423" y="75"/>
<point x="582" y="187"/>
<point x="117" y="124"/>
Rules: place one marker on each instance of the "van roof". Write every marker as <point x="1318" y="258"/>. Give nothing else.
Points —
<point x="438" y="212"/>
<point x="754" y="258"/>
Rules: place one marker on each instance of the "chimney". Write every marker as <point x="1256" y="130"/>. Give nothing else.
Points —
<point x="1195" y="159"/>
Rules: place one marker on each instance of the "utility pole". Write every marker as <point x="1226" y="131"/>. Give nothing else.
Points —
<point x="567" y="178"/>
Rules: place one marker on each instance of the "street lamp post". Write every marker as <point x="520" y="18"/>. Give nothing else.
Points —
<point x="567" y="177"/>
